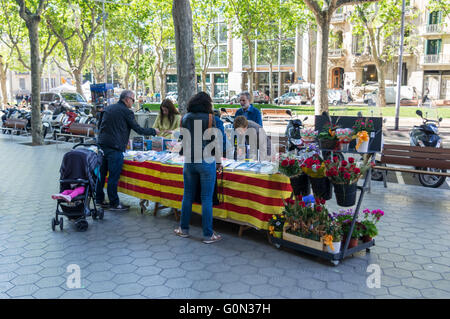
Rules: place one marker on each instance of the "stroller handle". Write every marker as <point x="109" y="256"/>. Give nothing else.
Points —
<point x="84" y="144"/>
<point x="74" y="181"/>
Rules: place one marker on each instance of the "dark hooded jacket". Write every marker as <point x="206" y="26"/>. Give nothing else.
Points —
<point x="187" y="122"/>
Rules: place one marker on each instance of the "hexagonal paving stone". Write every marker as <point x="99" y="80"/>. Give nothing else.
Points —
<point x="178" y="283"/>
<point x="192" y="265"/>
<point x="435" y="293"/>
<point x="49" y="282"/>
<point x="129" y="289"/>
<point x="148" y="270"/>
<point x="124" y="269"/>
<point x="121" y="260"/>
<point x="76" y="294"/>
<point x="397" y="273"/>
<point x="165" y="264"/>
<point x="5" y="286"/>
<point x="105" y="295"/>
<point x="126" y="278"/>
<point x="426" y="275"/>
<point x="101" y="286"/>
<point x="49" y="293"/>
<point x="27" y="270"/>
<point x="235" y="288"/>
<point x="428" y="253"/>
<point x="408" y="265"/>
<point x="156" y="292"/>
<point x="173" y="273"/>
<point x="254" y="279"/>
<point x="442" y="284"/>
<point x="405" y="292"/>
<point x="154" y="280"/>
<point x="199" y="275"/>
<point x="416" y="283"/>
<point x="22" y="290"/>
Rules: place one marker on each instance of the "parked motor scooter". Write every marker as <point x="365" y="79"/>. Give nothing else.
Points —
<point x="293" y="133"/>
<point x="427" y="135"/>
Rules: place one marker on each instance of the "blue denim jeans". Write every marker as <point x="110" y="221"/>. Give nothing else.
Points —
<point x="112" y="163"/>
<point x="192" y="174"/>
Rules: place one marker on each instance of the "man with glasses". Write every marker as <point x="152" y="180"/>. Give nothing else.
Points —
<point x="114" y="133"/>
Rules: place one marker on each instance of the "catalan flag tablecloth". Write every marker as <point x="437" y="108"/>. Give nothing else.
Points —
<point x="248" y="199"/>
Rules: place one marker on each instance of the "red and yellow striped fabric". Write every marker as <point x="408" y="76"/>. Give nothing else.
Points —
<point x="247" y="198"/>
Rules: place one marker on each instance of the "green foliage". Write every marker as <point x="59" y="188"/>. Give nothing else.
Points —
<point x="439" y="5"/>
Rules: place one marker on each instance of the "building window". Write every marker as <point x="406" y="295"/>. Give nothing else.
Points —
<point x="357" y="44"/>
<point x="171" y="83"/>
<point x="370" y="73"/>
<point x="404" y="74"/>
<point x="433" y="46"/>
<point x="220" y="84"/>
<point x="22" y="85"/>
<point x="435" y="17"/>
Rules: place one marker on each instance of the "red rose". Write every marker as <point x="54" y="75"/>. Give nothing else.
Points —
<point x="292" y="162"/>
<point x="341" y="169"/>
<point x="322" y="201"/>
<point x="285" y="163"/>
<point x="344" y="163"/>
<point x="357" y="170"/>
<point x="327" y="162"/>
<point x="335" y="159"/>
<point x="346" y="175"/>
<point x="318" y="209"/>
<point x="302" y="204"/>
<point x="317" y="201"/>
<point x="351" y="160"/>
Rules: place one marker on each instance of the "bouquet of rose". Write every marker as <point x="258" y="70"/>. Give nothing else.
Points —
<point x="308" y="134"/>
<point x="363" y="125"/>
<point x="314" y="166"/>
<point x="289" y="166"/>
<point x="345" y="135"/>
<point x="344" y="172"/>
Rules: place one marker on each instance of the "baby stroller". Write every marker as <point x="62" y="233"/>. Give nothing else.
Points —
<point x="79" y="166"/>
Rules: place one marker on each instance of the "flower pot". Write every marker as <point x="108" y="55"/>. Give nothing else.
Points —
<point x="344" y="146"/>
<point x="336" y="246"/>
<point x="366" y="239"/>
<point x="277" y="234"/>
<point x="303" y="241"/>
<point x="327" y="144"/>
<point x="345" y="194"/>
<point x="353" y="242"/>
<point x="363" y="147"/>
<point x="321" y="187"/>
<point x="301" y="185"/>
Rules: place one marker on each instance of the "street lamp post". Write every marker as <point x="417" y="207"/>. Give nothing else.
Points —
<point x="400" y="68"/>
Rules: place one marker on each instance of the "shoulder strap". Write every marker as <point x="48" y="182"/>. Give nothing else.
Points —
<point x="210" y="120"/>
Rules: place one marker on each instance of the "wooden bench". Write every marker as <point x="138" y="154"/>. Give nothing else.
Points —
<point x="230" y="111"/>
<point x="415" y="156"/>
<point x="15" y="125"/>
<point x="275" y="114"/>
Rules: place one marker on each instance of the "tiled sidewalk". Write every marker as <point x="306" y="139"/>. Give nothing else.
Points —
<point x="132" y="256"/>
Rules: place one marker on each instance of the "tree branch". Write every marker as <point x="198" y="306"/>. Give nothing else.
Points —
<point x="341" y="3"/>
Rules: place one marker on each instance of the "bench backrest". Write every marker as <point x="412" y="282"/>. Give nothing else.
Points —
<point x="15" y="123"/>
<point x="416" y="156"/>
<point x="82" y="129"/>
<point x="278" y="112"/>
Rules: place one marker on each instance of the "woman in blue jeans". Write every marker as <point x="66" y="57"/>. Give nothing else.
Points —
<point x="199" y="166"/>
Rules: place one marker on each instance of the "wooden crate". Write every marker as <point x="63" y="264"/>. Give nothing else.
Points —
<point x="303" y="241"/>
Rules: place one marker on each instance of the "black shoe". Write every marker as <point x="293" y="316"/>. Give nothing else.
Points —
<point x="120" y="207"/>
<point x="103" y="204"/>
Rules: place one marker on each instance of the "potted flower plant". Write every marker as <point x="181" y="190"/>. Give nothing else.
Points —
<point x="306" y="222"/>
<point x="314" y="167"/>
<point x="327" y="137"/>
<point x="276" y="224"/>
<point x="333" y="238"/>
<point x="308" y="135"/>
<point x="344" y="175"/>
<point x="290" y="167"/>
<point x="344" y="136"/>
<point x="361" y="129"/>
<point x="344" y="219"/>
<point x="370" y="219"/>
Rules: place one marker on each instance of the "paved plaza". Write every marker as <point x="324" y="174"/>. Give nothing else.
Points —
<point x="129" y="255"/>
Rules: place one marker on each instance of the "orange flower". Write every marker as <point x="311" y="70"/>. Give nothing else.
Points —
<point x="328" y="240"/>
<point x="362" y="137"/>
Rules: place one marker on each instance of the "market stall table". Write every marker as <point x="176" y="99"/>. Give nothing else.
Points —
<point x="248" y="199"/>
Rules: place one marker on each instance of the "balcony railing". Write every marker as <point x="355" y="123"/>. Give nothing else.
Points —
<point x="432" y="28"/>
<point x="335" y="53"/>
<point x="436" y="59"/>
<point x="338" y="18"/>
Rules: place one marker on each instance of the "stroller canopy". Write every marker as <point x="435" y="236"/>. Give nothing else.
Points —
<point x="81" y="164"/>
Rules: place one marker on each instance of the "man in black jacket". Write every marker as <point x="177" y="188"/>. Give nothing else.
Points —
<point x="114" y="133"/>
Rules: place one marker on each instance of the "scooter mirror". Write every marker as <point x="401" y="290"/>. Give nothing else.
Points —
<point x="288" y="112"/>
<point x="223" y="110"/>
<point x="419" y="112"/>
<point x="305" y="119"/>
<point x="440" y="119"/>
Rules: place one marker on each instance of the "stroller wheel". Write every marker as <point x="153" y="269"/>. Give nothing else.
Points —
<point x="61" y="224"/>
<point x="94" y="214"/>
<point x="53" y="224"/>
<point x="82" y="225"/>
<point x="101" y="213"/>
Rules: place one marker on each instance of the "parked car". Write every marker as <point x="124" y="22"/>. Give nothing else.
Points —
<point x="406" y="93"/>
<point x="260" y="98"/>
<point x="282" y="99"/>
<point x="173" y="96"/>
<point x="335" y="97"/>
<point x="70" y="100"/>
<point x="221" y="97"/>
<point x="296" y="99"/>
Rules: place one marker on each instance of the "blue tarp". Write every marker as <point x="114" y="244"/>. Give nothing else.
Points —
<point x="102" y="87"/>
